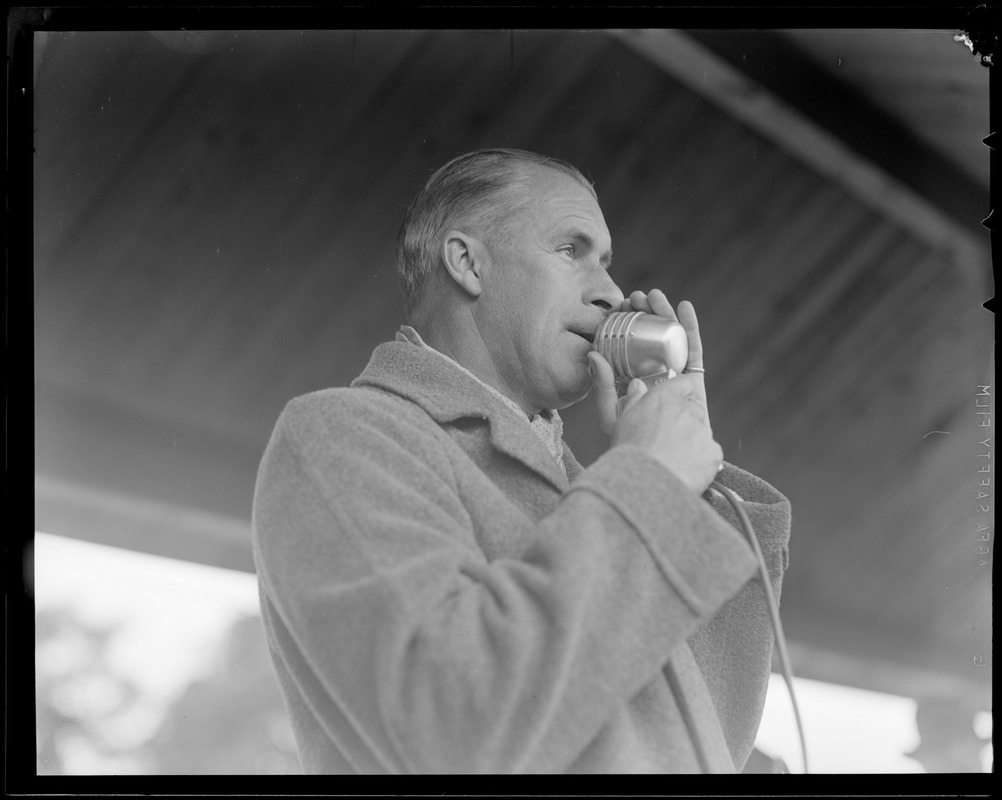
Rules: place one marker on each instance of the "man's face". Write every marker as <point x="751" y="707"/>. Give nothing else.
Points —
<point x="546" y="291"/>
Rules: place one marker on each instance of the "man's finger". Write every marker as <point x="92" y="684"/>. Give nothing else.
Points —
<point x="659" y="305"/>
<point x="634" y="391"/>
<point x="687" y="316"/>
<point x="638" y="302"/>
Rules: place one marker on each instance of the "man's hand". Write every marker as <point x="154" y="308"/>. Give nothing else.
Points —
<point x="656" y="303"/>
<point x="671" y="420"/>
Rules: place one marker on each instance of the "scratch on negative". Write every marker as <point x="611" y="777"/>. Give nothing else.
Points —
<point x="932" y="432"/>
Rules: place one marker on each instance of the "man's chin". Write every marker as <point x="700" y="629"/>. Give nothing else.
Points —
<point x="574" y="392"/>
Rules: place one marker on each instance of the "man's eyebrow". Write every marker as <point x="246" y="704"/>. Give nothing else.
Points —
<point x="587" y="241"/>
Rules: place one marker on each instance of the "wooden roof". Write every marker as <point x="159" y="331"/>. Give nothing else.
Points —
<point x="215" y="218"/>
<point x="925" y="79"/>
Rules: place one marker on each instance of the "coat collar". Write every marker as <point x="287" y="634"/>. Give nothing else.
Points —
<point x="448" y="394"/>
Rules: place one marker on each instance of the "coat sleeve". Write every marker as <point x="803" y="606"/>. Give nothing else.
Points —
<point x="416" y="654"/>
<point x="734" y="649"/>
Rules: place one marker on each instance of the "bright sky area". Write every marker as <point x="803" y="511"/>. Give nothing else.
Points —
<point x="175" y="614"/>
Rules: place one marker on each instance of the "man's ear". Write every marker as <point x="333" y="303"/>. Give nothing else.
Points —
<point x="464" y="258"/>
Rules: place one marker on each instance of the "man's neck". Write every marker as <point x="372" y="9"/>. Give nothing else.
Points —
<point x="467" y="348"/>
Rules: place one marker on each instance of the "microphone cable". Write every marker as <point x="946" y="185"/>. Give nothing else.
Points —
<point x="770" y="598"/>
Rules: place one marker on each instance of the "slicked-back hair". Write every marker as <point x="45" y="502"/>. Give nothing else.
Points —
<point x="477" y="193"/>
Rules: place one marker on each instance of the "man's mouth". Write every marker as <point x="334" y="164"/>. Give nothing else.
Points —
<point x="588" y="337"/>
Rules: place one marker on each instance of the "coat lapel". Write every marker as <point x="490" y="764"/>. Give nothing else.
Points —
<point x="571" y="465"/>
<point x="448" y="395"/>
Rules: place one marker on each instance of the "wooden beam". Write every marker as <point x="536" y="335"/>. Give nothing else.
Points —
<point x="938" y="210"/>
<point x="826" y="645"/>
<point x="112" y="518"/>
<point x="119" y="520"/>
<point x="89" y="440"/>
<point x="116" y="476"/>
<point x="110" y="473"/>
<point x="877" y="674"/>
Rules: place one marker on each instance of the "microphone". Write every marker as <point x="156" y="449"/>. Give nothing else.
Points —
<point x="640" y="345"/>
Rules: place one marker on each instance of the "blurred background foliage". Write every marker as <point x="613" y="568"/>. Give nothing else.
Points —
<point x="93" y="719"/>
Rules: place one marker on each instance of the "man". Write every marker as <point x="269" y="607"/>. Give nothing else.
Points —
<point x="444" y="588"/>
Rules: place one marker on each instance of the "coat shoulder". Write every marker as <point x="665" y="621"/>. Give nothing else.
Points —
<point x="332" y="423"/>
<point x="352" y="406"/>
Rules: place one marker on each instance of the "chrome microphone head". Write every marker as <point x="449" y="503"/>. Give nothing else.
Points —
<point x="640" y="345"/>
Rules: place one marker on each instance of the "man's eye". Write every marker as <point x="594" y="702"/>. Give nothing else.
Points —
<point x="569" y="249"/>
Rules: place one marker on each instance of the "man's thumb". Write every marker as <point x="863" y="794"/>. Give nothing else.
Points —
<point x="634" y="391"/>
<point x="603" y="384"/>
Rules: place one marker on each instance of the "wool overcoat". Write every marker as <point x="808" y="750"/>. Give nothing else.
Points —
<point x="440" y="597"/>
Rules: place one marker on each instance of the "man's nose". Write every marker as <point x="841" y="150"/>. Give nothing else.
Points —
<point x="604" y="293"/>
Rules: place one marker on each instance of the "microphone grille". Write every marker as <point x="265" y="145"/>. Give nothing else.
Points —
<point x="611" y="341"/>
<point x="640" y="345"/>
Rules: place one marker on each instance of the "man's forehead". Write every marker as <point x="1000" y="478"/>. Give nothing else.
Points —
<point x="562" y="199"/>
<point x="570" y="221"/>
<point x="542" y="178"/>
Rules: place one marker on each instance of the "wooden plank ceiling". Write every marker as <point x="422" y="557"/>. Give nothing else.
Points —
<point x="925" y="75"/>
<point x="214" y="229"/>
